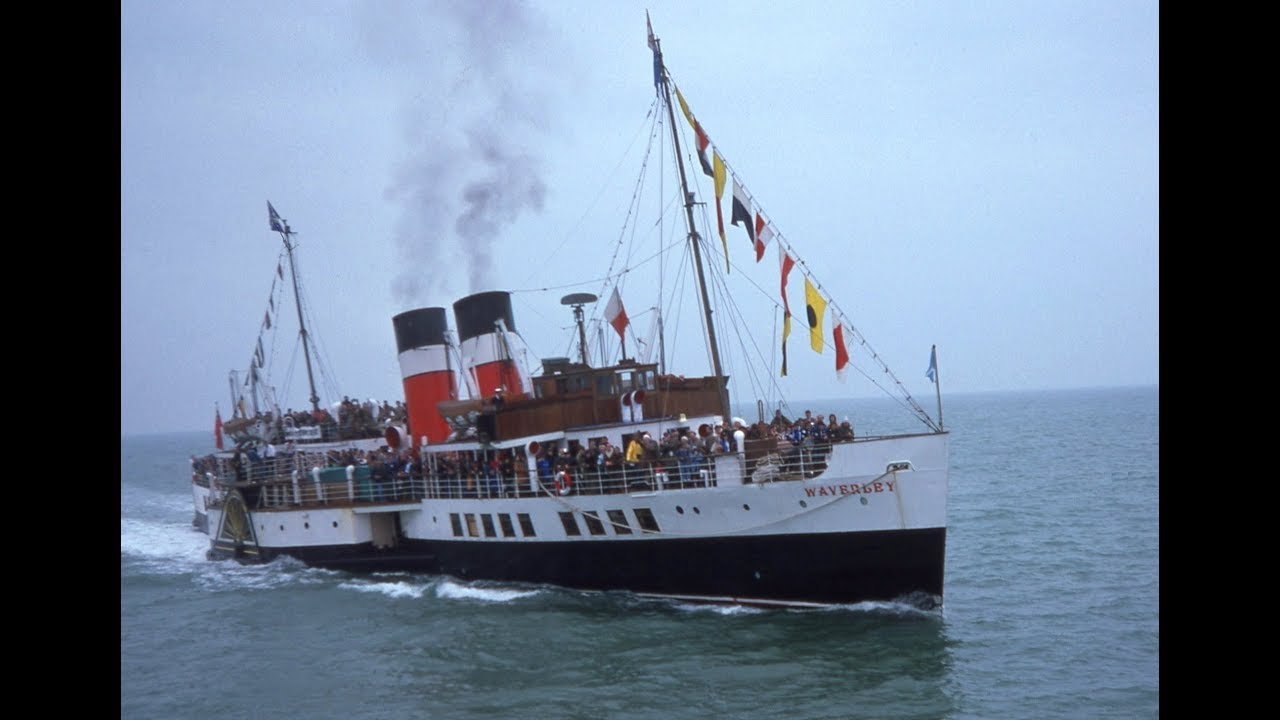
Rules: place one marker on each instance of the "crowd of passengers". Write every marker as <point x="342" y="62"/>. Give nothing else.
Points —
<point x="681" y="454"/>
<point x="354" y="419"/>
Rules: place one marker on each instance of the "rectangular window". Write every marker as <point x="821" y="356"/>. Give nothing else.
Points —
<point x="620" y="524"/>
<point x="570" y="524"/>
<point x="526" y="524"/>
<point x="508" y="530"/>
<point x="648" y="523"/>
<point x="471" y="525"/>
<point x="456" y="521"/>
<point x="487" y="520"/>
<point x="593" y="522"/>
<point x="604" y="384"/>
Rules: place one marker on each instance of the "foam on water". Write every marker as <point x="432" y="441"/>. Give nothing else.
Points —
<point x="390" y="589"/>
<point x="454" y="590"/>
<point x="229" y="575"/>
<point x="901" y="609"/>
<point x="164" y="547"/>
<point x="717" y="609"/>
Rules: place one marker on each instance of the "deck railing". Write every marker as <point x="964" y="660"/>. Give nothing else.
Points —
<point x="306" y="480"/>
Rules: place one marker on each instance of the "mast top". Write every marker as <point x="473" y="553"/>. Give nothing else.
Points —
<point x="663" y="85"/>
<point x="281" y="226"/>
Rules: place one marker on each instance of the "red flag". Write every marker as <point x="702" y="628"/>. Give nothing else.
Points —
<point x="787" y="263"/>
<point x="217" y="429"/>
<point x="616" y="314"/>
<point x="842" y="354"/>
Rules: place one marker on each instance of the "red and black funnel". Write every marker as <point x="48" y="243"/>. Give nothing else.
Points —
<point x="425" y="369"/>
<point x="482" y="345"/>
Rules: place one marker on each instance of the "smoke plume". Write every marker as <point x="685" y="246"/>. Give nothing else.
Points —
<point x="472" y="165"/>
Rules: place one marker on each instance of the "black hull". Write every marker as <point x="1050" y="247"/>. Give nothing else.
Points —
<point x="822" y="569"/>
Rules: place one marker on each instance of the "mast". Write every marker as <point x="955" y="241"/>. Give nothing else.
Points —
<point x="285" y="232"/>
<point x="722" y="391"/>
<point x="662" y="344"/>
<point x="577" y="300"/>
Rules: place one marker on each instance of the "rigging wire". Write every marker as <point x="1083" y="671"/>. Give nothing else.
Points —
<point x="838" y="313"/>
<point x="600" y="190"/>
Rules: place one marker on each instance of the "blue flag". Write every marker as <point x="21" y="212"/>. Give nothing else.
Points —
<point x="274" y="217"/>
<point x="932" y="372"/>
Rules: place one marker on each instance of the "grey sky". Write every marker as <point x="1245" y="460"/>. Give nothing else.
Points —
<point x="983" y="176"/>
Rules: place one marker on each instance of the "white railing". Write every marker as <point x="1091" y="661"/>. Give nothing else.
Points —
<point x="307" y="479"/>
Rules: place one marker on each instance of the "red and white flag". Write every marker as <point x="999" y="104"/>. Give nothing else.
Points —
<point x="616" y="314"/>
<point x="764" y="233"/>
<point x="217" y="429"/>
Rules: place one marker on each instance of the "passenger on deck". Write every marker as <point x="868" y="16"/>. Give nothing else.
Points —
<point x="650" y="448"/>
<point x="237" y="466"/>
<point x="684" y="461"/>
<point x="819" y="430"/>
<point x="507" y="470"/>
<point x="544" y="471"/>
<point x="697" y="460"/>
<point x="635" y="452"/>
<point x="845" y="432"/>
<point x="612" y="459"/>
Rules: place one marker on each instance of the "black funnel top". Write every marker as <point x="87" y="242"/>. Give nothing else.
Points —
<point x="420" y="328"/>
<point x="477" y="313"/>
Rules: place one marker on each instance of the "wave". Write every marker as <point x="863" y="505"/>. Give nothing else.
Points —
<point x="455" y="590"/>
<point x="396" y="590"/>
<point x="164" y="547"/>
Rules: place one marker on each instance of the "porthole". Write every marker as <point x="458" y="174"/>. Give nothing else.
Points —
<point x="864" y="500"/>
<point x="306" y="526"/>
<point x="335" y="523"/>
<point x="804" y="504"/>
<point x="746" y="507"/>
<point x="679" y="509"/>
<point x="282" y="527"/>
<point x="696" y="511"/>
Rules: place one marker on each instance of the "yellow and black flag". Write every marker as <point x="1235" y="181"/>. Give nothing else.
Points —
<point x="815" y="307"/>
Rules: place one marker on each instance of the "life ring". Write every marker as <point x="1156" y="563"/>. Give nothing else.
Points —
<point x="564" y="483"/>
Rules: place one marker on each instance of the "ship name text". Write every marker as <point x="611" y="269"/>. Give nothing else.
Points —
<point x="852" y="489"/>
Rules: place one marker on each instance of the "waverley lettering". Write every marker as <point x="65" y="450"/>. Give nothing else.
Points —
<point x="869" y="488"/>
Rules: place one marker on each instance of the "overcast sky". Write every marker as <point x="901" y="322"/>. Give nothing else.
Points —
<point x="978" y="175"/>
